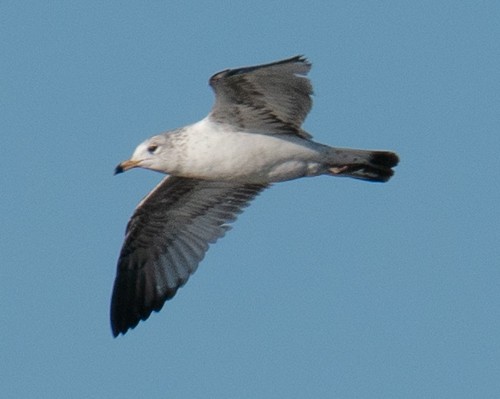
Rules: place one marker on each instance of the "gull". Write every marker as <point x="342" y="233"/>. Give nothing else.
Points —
<point x="252" y="137"/>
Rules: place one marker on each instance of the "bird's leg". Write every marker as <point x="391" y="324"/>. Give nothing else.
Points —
<point x="338" y="170"/>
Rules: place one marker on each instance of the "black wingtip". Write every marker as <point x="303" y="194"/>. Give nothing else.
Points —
<point x="121" y="327"/>
<point x="119" y="331"/>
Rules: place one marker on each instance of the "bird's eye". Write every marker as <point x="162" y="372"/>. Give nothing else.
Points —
<point x="152" y="148"/>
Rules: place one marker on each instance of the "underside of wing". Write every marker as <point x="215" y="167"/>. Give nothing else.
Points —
<point x="166" y="238"/>
<point x="271" y="98"/>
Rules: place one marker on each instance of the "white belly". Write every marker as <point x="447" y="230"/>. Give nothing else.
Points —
<point x="215" y="153"/>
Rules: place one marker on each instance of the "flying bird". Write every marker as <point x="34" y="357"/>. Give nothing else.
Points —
<point x="251" y="138"/>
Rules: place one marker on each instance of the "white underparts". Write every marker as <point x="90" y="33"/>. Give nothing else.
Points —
<point x="215" y="152"/>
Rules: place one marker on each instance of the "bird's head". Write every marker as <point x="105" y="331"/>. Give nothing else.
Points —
<point x="146" y="155"/>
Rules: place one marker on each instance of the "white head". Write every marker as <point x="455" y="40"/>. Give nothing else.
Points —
<point x="147" y="155"/>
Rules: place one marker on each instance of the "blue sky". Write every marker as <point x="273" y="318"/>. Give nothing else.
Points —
<point x="325" y="287"/>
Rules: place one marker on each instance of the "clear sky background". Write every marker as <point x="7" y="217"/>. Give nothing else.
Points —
<point x="325" y="287"/>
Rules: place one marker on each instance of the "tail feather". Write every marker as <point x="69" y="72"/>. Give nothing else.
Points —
<point x="362" y="164"/>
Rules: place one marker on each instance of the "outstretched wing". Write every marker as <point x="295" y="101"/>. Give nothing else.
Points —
<point x="272" y="98"/>
<point x="166" y="238"/>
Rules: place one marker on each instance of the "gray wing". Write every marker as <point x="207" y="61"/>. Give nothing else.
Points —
<point x="272" y="98"/>
<point x="166" y="238"/>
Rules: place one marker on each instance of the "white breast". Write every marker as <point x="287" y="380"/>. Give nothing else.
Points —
<point x="217" y="152"/>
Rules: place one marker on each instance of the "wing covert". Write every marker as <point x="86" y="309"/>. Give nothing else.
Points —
<point x="166" y="238"/>
<point x="272" y="98"/>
